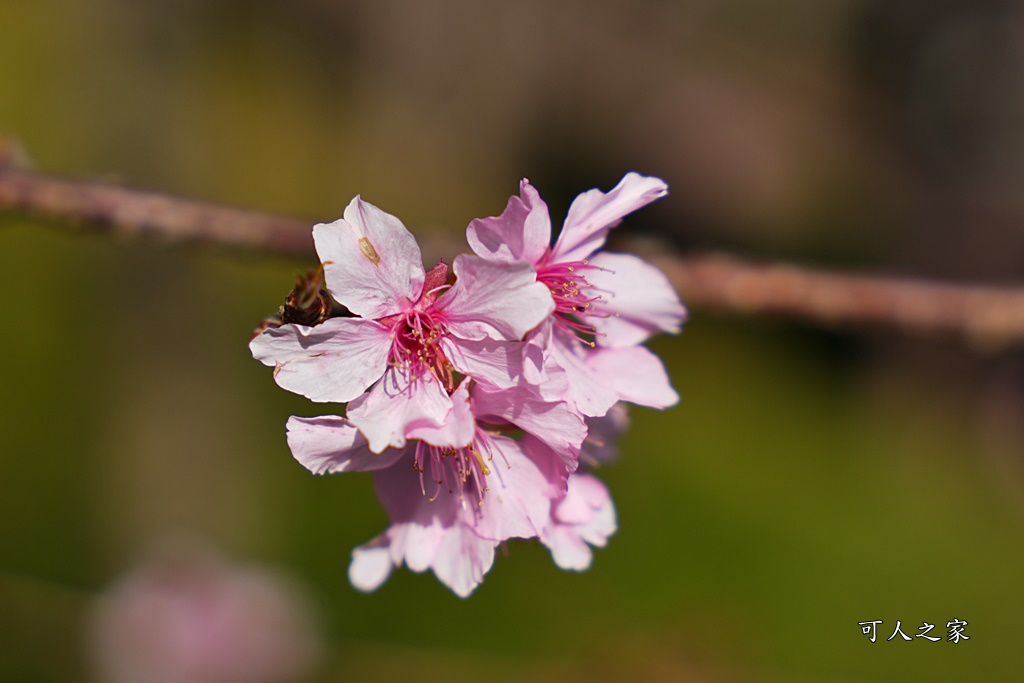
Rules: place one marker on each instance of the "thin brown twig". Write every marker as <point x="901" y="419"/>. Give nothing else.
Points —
<point x="986" y="316"/>
<point x="989" y="318"/>
<point x="129" y="212"/>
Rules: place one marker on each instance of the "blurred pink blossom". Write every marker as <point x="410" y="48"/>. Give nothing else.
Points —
<point x="195" y="618"/>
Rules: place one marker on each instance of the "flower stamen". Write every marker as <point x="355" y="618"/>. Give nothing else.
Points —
<point x="575" y="296"/>
<point x="415" y="347"/>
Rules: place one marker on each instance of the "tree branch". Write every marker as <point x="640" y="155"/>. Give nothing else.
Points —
<point x="985" y="316"/>
<point x="128" y="212"/>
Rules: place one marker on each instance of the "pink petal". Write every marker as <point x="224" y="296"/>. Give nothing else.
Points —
<point x="329" y="444"/>
<point x="418" y="522"/>
<point x="601" y="527"/>
<point x="432" y="533"/>
<point x="400" y="490"/>
<point x="599" y="378"/>
<point x="515" y="504"/>
<point x="371" y="565"/>
<point x="552" y="422"/>
<point x="332" y="362"/>
<point x="602" y="443"/>
<point x="463" y="559"/>
<point x="499" y="363"/>
<point x="584" y="496"/>
<point x="394" y="404"/>
<point x="372" y="264"/>
<point x="551" y="466"/>
<point x="593" y="213"/>
<point x="586" y="386"/>
<point x="417" y="544"/>
<point x="459" y="558"/>
<point x="496" y="300"/>
<point x="457" y="430"/>
<point x="585" y="515"/>
<point x="536" y="359"/>
<point x="636" y="374"/>
<point x="434" y="282"/>
<point x="568" y="550"/>
<point x="637" y="300"/>
<point x="540" y="368"/>
<point x="521" y="233"/>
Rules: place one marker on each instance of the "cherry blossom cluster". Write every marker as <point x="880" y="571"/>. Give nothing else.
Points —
<point x="479" y="396"/>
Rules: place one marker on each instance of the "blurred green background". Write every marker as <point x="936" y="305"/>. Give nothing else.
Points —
<point x="810" y="479"/>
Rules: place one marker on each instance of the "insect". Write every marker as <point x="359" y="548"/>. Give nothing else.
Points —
<point x="307" y="303"/>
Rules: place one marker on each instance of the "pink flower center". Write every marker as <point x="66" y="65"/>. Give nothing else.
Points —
<point x="574" y="296"/>
<point x="415" y="347"/>
<point x="459" y="470"/>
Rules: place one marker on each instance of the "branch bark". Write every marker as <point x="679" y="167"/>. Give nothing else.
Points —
<point x="128" y="212"/>
<point x="986" y="316"/>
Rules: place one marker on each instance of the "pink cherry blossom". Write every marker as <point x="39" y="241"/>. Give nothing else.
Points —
<point x="411" y="331"/>
<point x="457" y="489"/>
<point x="467" y="398"/>
<point x="616" y="299"/>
